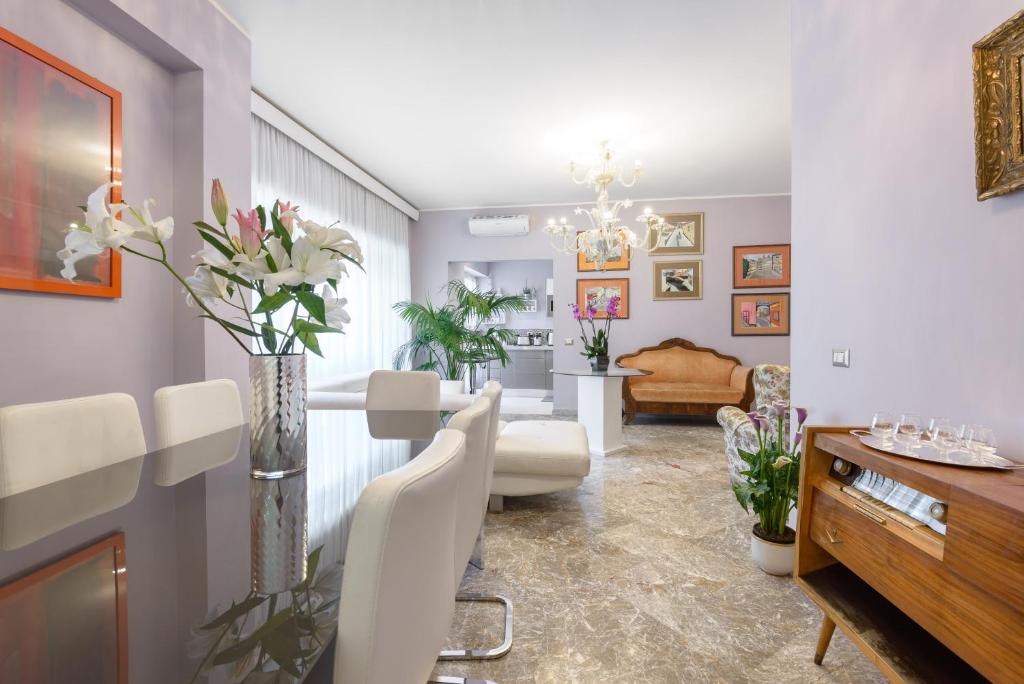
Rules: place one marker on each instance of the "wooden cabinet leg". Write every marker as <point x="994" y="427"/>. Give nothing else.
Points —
<point x="824" y="637"/>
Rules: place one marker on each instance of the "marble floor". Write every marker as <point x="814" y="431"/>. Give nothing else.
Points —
<point x="643" y="575"/>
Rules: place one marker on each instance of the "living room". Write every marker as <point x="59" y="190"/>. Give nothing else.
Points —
<point x="382" y="341"/>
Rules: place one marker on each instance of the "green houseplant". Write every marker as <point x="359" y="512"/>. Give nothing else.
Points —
<point x="450" y="338"/>
<point x="770" y="488"/>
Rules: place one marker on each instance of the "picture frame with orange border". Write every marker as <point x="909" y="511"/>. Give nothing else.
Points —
<point x="599" y="290"/>
<point x="621" y="264"/>
<point x="760" y="314"/>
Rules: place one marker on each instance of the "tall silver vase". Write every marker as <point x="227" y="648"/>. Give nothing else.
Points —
<point x="279" y="525"/>
<point x="277" y="415"/>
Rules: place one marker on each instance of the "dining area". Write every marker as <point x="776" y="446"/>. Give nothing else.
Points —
<point x="220" y="552"/>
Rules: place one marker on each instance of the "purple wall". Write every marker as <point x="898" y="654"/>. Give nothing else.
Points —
<point x="895" y="258"/>
<point x="442" y="236"/>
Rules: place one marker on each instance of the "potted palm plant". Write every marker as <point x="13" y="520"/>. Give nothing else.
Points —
<point x="771" y="486"/>
<point x="451" y="338"/>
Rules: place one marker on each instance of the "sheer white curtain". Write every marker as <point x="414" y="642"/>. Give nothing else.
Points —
<point x="342" y="457"/>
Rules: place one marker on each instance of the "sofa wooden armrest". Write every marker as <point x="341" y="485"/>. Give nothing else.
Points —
<point x="686" y="380"/>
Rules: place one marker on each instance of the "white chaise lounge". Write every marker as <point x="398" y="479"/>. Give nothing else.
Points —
<point x="538" y="457"/>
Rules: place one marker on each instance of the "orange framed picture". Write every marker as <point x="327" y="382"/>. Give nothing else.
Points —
<point x="60" y="139"/>
<point x="69" y="620"/>
<point x="760" y="314"/>
<point x="597" y="291"/>
<point x="761" y="266"/>
<point x="618" y="260"/>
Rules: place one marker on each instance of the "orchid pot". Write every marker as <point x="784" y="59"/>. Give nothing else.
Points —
<point x="595" y="346"/>
<point x="599" y="363"/>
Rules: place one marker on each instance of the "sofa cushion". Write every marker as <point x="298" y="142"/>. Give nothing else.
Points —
<point x="687" y="392"/>
<point x="543" y="447"/>
<point x="676" y="364"/>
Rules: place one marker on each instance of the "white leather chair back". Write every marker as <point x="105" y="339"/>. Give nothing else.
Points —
<point x="492" y="390"/>
<point x="51" y="441"/>
<point x="475" y="423"/>
<point x="187" y="412"/>
<point x="403" y="404"/>
<point x="397" y="597"/>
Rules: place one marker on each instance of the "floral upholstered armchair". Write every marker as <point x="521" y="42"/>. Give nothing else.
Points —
<point x="771" y="384"/>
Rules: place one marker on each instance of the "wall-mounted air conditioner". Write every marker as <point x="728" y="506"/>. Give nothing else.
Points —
<point x="499" y="226"/>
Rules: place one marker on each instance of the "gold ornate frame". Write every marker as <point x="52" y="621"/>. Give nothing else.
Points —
<point x="999" y="148"/>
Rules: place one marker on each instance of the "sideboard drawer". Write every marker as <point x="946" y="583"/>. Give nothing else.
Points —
<point x="907" y="572"/>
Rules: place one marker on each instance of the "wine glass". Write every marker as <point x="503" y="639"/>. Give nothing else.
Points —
<point x="908" y="430"/>
<point x="942" y="434"/>
<point x="883" y="426"/>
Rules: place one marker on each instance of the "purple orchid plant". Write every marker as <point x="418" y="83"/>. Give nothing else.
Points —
<point x="772" y="477"/>
<point x="597" y="344"/>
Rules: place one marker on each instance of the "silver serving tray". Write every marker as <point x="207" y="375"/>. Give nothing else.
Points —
<point x="923" y="451"/>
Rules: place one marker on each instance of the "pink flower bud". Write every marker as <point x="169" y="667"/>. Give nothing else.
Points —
<point x="219" y="202"/>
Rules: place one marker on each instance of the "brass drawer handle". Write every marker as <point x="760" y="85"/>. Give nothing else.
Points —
<point x="871" y="514"/>
<point x="833" y="535"/>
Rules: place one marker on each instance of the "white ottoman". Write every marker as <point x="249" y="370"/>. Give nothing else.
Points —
<point x="538" y="457"/>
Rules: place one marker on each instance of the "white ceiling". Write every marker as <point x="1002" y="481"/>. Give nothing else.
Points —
<point x="475" y="103"/>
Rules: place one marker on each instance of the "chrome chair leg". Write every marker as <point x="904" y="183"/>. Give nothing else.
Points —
<point x="444" y="679"/>
<point x="477" y="558"/>
<point x="484" y="653"/>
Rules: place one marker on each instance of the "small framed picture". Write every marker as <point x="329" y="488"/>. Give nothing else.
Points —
<point x="685" y="235"/>
<point x="678" y="279"/>
<point x="618" y="260"/>
<point x="760" y="266"/>
<point x="759" y="314"/>
<point x="597" y="291"/>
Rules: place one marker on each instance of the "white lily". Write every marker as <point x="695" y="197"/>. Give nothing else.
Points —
<point x="206" y="285"/>
<point x="153" y="231"/>
<point x="315" y="265"/>
<point x="337" y="317"/>
<point x="107" y="229"/>
<point x="78" y="245"/>
<point x="332" y="239"/>
<point x="213" y="257"/>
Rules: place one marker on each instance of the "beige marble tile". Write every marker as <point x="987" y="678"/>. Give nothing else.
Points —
<point x="643" y="574"/>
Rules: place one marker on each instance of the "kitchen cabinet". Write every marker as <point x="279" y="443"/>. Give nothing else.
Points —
<point x="526" y="369"/>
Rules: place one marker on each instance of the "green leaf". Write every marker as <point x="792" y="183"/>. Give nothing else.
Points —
<point x="239" y="650"/>
<point x="236" y="611"/>
<point x="217" y="244"/>
<point x="314" y="304"/>
<point x="269" y="337"/>
<point x="272" y="302"/>
<point x="311" y="565"/>
<point x="282" y="233"/>
<point x="206" y="226"/>
<point x="309" y="339"/>
<point x="305" y="326"/>
<point x="233" y="277"/>
<point x="237" y="328"/>
<point x="261" y="212"/>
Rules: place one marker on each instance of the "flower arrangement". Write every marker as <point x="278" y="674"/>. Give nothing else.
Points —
<point x="596" y="346"/>
<point x="773" y="473"/>
<point x="279" y="267"/>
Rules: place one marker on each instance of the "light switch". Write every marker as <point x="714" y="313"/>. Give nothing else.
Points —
<point x="841" y="358"/>
<point x="569" y="341"/>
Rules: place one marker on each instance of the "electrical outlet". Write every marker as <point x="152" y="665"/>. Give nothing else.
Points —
<point x="569" y="341"/>
<point x="841" y="358"/>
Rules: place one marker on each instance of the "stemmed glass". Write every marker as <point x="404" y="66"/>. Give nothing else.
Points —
<point x="883" y="426"/>
<point x="908" y="431"/>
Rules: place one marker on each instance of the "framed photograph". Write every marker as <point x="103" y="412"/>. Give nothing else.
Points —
<point x="999" y="110"/>
<point x="597" y="291"/>
<point x="60" y="139"/>
<point x="618" y="260"/>
<point x="678" y="279"/>
<point x="685" y="237"/>
<point x="71" y="617"/>
<point x="765" y="313"/>
<point x="761" y="266"/>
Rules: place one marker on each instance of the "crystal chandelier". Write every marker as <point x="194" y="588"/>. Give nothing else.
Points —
<point x="607" y="235"/>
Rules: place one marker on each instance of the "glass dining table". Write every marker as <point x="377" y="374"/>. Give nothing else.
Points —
<point x="178" y="566"/>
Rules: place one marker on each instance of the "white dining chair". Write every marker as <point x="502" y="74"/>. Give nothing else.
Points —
<point x="50" y="441"/>
<point x="478" y="424"/>
<point x="397" y="596"/>
<point x="185" y="413"/>
<point x="403" y="404"/>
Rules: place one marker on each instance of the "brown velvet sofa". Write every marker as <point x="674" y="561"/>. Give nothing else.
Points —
<point x="688" y="380"/>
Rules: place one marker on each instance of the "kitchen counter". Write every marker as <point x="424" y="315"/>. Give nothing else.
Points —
<point x="528" y="347"/>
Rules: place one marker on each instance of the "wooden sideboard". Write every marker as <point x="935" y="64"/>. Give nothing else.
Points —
<point x="921" y="605"/>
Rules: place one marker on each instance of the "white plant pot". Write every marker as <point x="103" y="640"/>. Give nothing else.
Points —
<point x="453" y="387"/>
<point x="772" y="557"/>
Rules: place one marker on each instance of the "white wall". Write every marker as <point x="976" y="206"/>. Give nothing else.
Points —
<point x="440" y="237"/>
<point x="511" y="276"/>
<point x="894" y="256"/>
